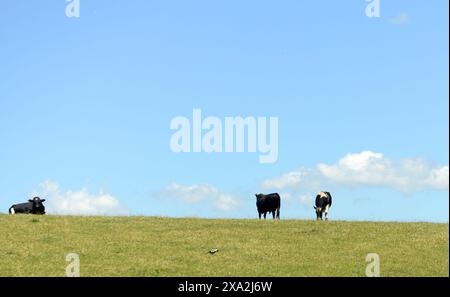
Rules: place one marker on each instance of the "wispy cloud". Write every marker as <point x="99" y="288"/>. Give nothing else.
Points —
<point x="366" y="168"/>
<point x="193" y="194"/>
<point x="400" y="19"/>
<point x="79" y="202"/>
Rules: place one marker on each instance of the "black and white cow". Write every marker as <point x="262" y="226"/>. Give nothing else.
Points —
<point x="323" y="204"/>
<point x="268" y="203"/>
<point x="33" y="206"/>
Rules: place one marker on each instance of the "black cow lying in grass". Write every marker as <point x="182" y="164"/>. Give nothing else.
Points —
<point x="33" y="206"/>
<point x="323" y="204"/>
<point x="268" y="203"/>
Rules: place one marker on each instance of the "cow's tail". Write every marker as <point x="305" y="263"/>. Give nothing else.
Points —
<point x="11" y="210"/>
<point x="279" y="206"/>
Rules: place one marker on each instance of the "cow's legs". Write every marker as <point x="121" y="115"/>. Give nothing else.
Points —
<point x="326" y="212"/>
<point x="265" y="215"/>
<point x="259" y="214"/>
<point x="273" y="214"/>
<point x="278" y="213"/>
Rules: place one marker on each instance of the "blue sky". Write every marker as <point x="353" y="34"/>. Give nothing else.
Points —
<point x="362" y="103"/>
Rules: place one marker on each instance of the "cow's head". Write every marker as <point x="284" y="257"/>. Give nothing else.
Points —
<point x="319" y="212"/>
<point x="38" y="206"/>
<point x="258" y="196"/>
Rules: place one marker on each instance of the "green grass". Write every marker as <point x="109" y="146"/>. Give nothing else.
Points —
<point x="147" y="246"/>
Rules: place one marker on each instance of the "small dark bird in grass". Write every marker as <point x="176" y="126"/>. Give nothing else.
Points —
<point x="213" y="251"/>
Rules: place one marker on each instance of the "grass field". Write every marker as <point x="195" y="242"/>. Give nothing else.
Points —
<point x="147" y="246"/>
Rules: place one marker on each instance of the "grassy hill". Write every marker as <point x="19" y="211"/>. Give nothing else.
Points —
<point x="147" y="246"/>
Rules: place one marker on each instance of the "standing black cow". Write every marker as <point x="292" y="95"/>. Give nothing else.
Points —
<point x="268" y="203"/>
<point x="33" y="206"/>
<point x="323" y="204"/>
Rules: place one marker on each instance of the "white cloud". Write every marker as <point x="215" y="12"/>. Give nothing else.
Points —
<point x="80" y="202"/>
<point x="367" y="168"/>
<point x="226" y="202"/>
<point x="306" y="199"/>
<point x="400" y="19"/>
<point x="438" y="178"/>
<point x="295" y="197"/>
<point x="193" y="194"/>
<point x="287" y="180"/>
